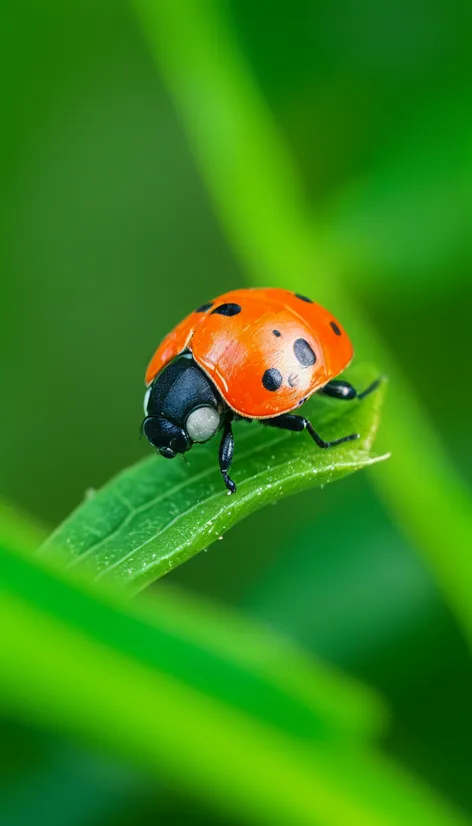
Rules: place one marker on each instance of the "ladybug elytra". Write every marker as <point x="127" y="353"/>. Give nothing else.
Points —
<point x="250" y="354"/>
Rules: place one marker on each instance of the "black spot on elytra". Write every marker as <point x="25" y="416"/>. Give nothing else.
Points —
<point x="293" y="380"/>
<point x="277" y="333"/>
<point x="303" y="298"/>
<point x="335" y="328"/>
<point x="272" y="379"/>
<point x="204" y="307"/>
<point x="302" y="401"/>
<point x="303" y="353"/>
<point x="227" y="309"/>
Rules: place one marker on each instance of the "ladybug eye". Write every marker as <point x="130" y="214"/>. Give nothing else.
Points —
<point x="202" y="423"/>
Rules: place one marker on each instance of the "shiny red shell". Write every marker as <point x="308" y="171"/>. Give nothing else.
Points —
<point x="265" y="350"/>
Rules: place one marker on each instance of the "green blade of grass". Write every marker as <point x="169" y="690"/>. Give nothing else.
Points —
<point x="261" y="204"/>
<point x="156" y="515"/>
<point x="272" y="670"/>
<point x="240" y="664"/>
<point x="76" y="661"/>
<point x="341" y="707"/>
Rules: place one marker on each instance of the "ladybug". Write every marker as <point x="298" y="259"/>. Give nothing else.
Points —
<point x="249" y="354"/>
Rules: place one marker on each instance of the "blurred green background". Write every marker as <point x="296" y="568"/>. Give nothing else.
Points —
<point x="109" y="237"/>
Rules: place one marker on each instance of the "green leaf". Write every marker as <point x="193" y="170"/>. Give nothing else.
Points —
<point x="81" y="663"/>
<point x="156" y="515"/>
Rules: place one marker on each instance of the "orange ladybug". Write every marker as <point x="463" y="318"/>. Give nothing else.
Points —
<point x="250" y="354"/>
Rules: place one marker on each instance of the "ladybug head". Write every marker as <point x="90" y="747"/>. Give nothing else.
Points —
<point x="181" y="408"/>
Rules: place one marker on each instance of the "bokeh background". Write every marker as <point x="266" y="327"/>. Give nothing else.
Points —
<point x="109" y="236"/>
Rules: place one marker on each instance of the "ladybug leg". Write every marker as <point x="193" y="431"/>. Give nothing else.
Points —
<point x="298" y="423"/>
<point x="225" y="454"/>
<point x="338" y="389"/>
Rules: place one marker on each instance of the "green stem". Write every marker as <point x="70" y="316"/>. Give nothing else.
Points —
<point x="262" y="206"/>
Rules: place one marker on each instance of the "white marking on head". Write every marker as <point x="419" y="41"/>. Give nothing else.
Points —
<point x="202" y="424"/>
<point x="146" y="400"/>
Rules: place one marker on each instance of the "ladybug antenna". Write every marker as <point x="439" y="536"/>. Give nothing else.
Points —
<point x="185" y="458"/>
